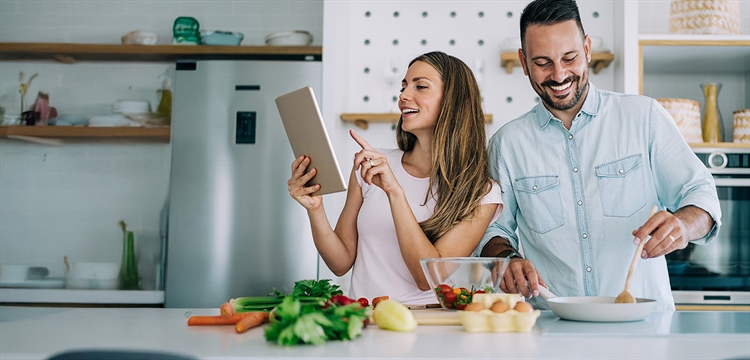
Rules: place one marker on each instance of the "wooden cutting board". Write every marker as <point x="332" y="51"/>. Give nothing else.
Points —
<point x="436" y="317"/>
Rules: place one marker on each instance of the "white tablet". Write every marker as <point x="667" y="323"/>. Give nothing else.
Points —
<point x="308" y="136"/>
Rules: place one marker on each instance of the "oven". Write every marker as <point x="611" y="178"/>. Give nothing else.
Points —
<point x="719" y="273"/>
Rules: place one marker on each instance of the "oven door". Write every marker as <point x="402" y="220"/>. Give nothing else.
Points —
<point x="718" y="273"/>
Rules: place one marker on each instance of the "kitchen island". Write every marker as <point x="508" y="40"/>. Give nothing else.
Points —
<point x="38" y="333"/>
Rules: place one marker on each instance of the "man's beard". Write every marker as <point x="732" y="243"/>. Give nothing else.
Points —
<point x="579" y="91"/>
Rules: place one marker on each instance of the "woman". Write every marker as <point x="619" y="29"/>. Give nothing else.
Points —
<point x="390" y="220"/>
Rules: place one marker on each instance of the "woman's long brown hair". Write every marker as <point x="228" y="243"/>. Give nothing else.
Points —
<point x="459" y="176"/>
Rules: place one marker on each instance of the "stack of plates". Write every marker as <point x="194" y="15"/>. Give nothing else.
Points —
<point x="687" y="114"/>
<point x="718" y="17"/>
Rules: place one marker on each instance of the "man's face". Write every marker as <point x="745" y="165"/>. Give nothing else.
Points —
<point x="556" y="63"/>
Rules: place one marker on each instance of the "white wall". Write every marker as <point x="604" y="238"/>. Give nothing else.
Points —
<point x="67" y="200"/>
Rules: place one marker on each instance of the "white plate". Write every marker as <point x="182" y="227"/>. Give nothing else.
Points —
<point x="48" y="283"/>
<point x="600" y="308"/>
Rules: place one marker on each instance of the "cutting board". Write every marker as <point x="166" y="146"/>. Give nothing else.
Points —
<point x="436" y="317"/>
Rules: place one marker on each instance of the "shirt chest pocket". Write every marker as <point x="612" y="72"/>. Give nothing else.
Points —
<point x="621" y="186"/>
<point x="538" y="199"/>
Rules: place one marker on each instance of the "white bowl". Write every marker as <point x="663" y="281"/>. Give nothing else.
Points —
<point x="289" y="38"/>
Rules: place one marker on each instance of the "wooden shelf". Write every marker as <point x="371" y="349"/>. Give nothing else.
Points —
<point x="361" y="120"/>
<point x="71" y="53"/>
<point x="160" y="133"/>
<point x="731" y="145"/>
<point x="599" y="61"/>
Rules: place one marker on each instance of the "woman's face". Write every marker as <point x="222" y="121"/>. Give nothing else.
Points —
<point x="421" y="97"/>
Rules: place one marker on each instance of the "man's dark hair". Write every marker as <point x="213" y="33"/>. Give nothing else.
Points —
<point x="549" y="12"/>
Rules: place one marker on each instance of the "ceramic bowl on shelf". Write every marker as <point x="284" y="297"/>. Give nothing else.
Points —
<point x="456" y="280"/>
<point x="289" y="38"/>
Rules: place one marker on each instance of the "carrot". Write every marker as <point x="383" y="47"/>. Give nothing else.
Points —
<point x="252" y="320"/>
<point x="227" y="310"/>
<point x="218" y="319"/>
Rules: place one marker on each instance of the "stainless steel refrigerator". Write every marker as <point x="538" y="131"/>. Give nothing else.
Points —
<point x="233" y="228"/>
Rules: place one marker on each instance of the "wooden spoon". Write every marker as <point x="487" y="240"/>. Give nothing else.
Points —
<point x="625" y="296"/>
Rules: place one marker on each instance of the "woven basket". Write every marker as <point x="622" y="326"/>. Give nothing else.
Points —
<point x="741" y="126"/>
<point x="687" y="115"/>
<point x="704" y="17"/>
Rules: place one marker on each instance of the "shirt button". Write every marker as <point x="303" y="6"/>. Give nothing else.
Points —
<point x="585" y="236"/>
<point x="575" y="169"/>
<point x="533" y="187"/>
<point x="621" y="171"/>
<point x="579" y="115"/>
<point x="580" y="202"/>
<point x="570" y="137"/>
<point x="588" y="269"/>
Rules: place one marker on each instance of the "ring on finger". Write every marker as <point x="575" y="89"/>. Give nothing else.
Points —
<point x="671" y="238"/>
<point x="371" y="163"/>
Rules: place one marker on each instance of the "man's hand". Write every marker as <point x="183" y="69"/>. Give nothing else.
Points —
<point x="670" y="232"/>
<point x="521" y="277"/>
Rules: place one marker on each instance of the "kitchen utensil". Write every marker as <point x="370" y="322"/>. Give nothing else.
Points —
<point x="625" y="296"/>
<point x="463" y="273"/>
<point x="289" y="38"/>
<point x="597" y="308"/>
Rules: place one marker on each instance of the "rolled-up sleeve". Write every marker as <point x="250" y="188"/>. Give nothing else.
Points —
<point x="681" y="179"/>
<point x="505" y="225"/>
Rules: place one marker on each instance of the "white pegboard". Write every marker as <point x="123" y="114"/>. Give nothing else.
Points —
<point x="386" y="35"/>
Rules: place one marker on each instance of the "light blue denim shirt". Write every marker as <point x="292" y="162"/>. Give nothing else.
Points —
<point x="575" y="196"/>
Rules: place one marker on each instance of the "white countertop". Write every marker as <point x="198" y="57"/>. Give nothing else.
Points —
<point x="37" y="333"/>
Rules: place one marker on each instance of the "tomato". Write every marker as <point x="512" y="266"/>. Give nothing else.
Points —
<point x="480" y="291"/>
<point x="363" y="302"/>
<point x="450" y="298"/>
<point x="442" y="288"/>
<point x="378" y="299"/>
<point x="460" y="306"/>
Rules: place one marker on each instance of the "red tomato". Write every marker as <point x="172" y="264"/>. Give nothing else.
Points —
<point x="442" y="288"/>
<point x="480" y="291"/>
<point x="460" y="306"/>
<point x="363" y="302"/>
<point x="450" y="298"/>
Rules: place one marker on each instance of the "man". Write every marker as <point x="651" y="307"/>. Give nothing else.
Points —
<point x="581" y="171"/>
